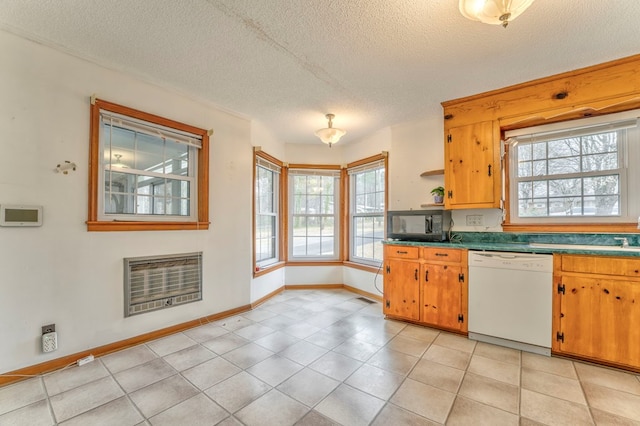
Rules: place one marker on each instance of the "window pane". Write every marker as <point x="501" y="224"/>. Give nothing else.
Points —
<point x="539" y="150"/>
<point x="149" y="153"/>
<point x="313" y="213"/>
<point x="563" y="187"/>
<point x="525" y="169"/>
<point x="121" y="139"/>
<point x="579" y="175"/>
<point x="599" y="162"/>
<point x="564" y="148"/>
<point x="175" y="154"/>
<point x="326" y="226"/>
<point x="367" y="209"/>
<point x="145" y="160"/>
<point x="299" y="226"/>
<point x="564" y="166"/>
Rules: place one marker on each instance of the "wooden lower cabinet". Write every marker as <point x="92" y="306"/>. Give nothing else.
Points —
<point x="426" y="285"/>
<point x="402" y="289"/>
<point x="596" y="310"/>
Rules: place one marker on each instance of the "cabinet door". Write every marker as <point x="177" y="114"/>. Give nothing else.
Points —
<point x="599" y="319"/>
<point x="402" y="289"/>
<point x="441" y="302"/>
<point x="472" y="171"/>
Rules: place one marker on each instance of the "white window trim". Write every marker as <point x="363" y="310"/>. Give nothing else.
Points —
<point x="629" y="170"/>
<point x="336" y="214"/>
<point x="277" y="170"/>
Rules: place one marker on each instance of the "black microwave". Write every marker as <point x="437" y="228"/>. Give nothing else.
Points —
<point x="419" y="225"/>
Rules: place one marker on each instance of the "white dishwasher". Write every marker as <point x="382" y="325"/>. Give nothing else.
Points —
<point x="510" y="299"/>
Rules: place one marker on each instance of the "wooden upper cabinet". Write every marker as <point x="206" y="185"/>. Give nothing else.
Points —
<point x="472" y="166"/>
<point x="600" y="89"/>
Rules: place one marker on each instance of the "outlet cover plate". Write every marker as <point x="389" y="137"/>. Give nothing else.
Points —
<point x="48" y="328"/>
<point x="475" y="220"/>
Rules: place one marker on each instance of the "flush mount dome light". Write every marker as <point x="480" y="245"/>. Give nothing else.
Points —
<point x="330" y="134"/>
<point x="494" y="12"/>
<point x="118" y="163"/>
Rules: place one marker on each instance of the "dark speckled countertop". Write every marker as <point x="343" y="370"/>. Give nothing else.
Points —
<point x="600" y="244"/>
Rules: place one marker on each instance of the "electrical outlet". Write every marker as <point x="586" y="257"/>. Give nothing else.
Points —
<point x="475" y="220"/>
<point x="49" y="342"/>
<point x="48" y="328"/>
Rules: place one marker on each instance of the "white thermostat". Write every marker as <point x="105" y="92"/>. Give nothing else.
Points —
<point x="18" y="215"/>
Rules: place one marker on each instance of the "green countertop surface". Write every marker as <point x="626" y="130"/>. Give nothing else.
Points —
<point x="520" y="247"/>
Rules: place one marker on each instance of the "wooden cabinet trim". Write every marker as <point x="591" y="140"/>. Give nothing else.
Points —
<point x="604" y="85"/>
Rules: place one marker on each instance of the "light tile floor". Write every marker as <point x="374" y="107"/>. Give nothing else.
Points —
<point x="323" y="357"/>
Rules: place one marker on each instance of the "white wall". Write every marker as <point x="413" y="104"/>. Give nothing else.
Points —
<point x="304" y="275"/>
<point x="317" y="153"/>
<point x="60" y="273"/>
<point x="415" y="147"/>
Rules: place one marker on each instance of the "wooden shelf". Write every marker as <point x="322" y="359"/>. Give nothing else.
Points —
<point x="432" y="205"/>
<point x="432" y="173"/>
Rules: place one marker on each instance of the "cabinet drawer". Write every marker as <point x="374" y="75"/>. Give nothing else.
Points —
<point x="401" y="252"/>
<point x="442" y="254"/>
<point x="628" y="267"/>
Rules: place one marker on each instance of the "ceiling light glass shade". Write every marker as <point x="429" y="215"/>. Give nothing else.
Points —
<point x="118" y="163"/>
<point x="330" y="135"/>
<point x="494" y="12"/>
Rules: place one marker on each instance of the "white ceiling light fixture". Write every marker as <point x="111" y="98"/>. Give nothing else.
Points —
<point x="330" y="135"/>
<point x="494" y="12"/>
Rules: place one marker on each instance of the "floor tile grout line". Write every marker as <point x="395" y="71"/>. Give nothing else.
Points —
<point x="362" y="362"/>
<point x="125" y="393"/>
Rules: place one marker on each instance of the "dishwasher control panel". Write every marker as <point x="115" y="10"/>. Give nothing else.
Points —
<point x="509" y="260"/>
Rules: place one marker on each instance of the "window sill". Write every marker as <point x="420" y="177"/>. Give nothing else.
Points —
<point x="571" y="227"/>
<point x="99" y="226"/>
<point x="362" y="267"/>
<point x="266" y="269"/>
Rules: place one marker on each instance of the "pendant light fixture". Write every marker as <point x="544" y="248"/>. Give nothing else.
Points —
<point x="330" y="135"/>
<point x="494" y="12"/>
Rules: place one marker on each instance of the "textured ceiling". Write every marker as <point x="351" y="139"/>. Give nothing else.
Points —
<point x="285" y="63"/>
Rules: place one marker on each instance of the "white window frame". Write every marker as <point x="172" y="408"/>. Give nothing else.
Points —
<point x="276" y="172"/>
<point x="628" y="165"/>
<point x="110" y="162"/>
<point x="335" y="174"/>
<point x="355" y="215"/>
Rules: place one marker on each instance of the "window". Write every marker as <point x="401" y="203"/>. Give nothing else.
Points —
<point x="575" y="172"/>
<point x="267" y="210"/>
<point x="314" y="214"/>
<point x="147" y="172"/>
<point x="367" y="185"/>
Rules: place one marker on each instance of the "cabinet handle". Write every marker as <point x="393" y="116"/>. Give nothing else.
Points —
<point x="489" y="170"/>
<point x="415" y="275"/>
<point x="426" y="275"/>
<point x="402" y="252"/>
<point x="442" y="254"/>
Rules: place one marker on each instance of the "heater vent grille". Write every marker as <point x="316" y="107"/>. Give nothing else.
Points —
<point x="159" y="282"/>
